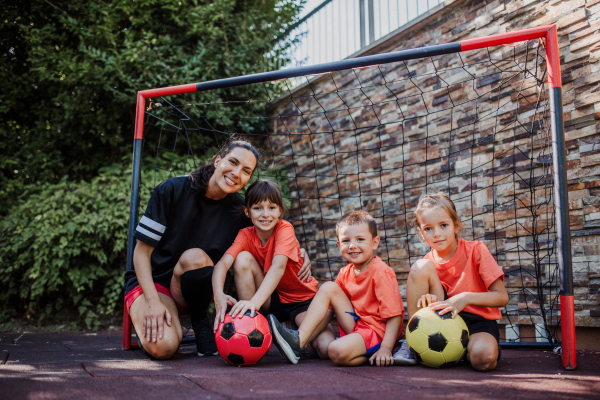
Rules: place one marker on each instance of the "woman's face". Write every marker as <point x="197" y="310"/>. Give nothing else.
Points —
<point x="233" y="171"/>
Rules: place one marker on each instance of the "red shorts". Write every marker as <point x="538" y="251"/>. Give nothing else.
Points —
<point x="371" y="338"/>
<point x="137" y="291"/>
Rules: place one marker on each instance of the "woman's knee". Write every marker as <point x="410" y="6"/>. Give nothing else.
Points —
<point x="162" y="349"/>
<point x="194" y="259"/>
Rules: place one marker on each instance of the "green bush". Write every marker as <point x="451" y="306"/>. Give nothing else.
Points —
<point x="63" y="245"/>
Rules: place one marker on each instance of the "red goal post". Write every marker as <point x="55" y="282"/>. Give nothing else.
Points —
<point x="547" y="33"/>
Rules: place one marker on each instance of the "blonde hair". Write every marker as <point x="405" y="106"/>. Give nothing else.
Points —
<point x="355" y="218"/>
<point x="439" y="199"/>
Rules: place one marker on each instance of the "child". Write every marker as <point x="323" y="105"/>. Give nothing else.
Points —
<point x="266" y="260"/>
<point x="364" y="297"/>
<point x="457" y="276"/>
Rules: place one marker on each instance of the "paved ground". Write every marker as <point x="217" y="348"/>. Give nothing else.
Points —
<point x="75" y="366"/>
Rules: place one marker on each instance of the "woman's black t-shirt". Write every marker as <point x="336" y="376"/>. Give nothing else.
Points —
<point x="177" y="220"/>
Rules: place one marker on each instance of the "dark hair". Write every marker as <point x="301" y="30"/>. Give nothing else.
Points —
<point x="202" y="175"/>
<point x="355" y="218"/>
<point x="265" y="190"/>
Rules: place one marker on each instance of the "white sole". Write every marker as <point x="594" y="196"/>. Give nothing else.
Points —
<point x="283" y="346"/>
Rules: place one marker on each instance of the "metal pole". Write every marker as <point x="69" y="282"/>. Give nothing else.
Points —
<point x="371" y="22"/>
<point x="363" y="33"/>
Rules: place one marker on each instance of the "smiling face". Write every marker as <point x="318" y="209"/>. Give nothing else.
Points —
<point x="264" y="216"/>
<point x="356" y="243"/>
<point x="232" y="172"/>
<point x="438" y="229"/>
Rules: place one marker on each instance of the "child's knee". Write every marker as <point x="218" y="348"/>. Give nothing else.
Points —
<point x="483" y="360"/>
<point x="421" y="268"/>
<point x="243" y="262"/>
<point x="163" y="349"/>
<point x="329" y="288"/>
<point x="338" y="354"/>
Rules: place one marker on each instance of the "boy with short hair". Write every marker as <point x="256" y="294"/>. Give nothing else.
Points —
<point x="364" y="297"/>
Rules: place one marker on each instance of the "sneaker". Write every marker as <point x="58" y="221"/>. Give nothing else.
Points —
<point x="286" y="340"/>
<point x="404" y="356"/>
<point x="205" y="338"/>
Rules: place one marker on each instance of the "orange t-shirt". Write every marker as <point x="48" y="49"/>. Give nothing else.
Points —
<point x="374" y="293"/>
<point x="282" y="242"/>
<point x="471" y="269"/>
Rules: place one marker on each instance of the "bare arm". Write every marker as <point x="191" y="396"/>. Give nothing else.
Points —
<point x="383" y="356"/>
<point x="218" y="281"/>
<point x="265" y="290"/>
<point x="496" y="297"/>
<point x="155" y="312"/>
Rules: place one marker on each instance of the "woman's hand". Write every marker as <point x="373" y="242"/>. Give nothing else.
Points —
<point x="454" y="304"/>
<point x="382" y="357"/>
<point x="305" y="271"/>
<point x="221" y="303"/>
<point x="241" y="307"/>
<point x="426" y="300"/>
<point x="154" y="317"/>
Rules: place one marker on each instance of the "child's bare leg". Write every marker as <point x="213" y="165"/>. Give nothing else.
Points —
<point x="248" y="276"/>
<point x="329" y="293"/>
<point x="422" y="279"/>
<point x="349" y="350"/>
<point x="322" y="336"/>
<point x="482" y="351"/>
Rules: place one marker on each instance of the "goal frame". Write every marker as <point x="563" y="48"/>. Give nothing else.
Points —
<point x="548" y="33"/>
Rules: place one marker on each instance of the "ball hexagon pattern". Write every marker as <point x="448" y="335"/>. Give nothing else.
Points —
<point x="243" y="341"/>
<point x="437" y="340"/>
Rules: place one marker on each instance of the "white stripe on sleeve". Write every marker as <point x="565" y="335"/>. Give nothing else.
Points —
<point x="146" y="232"/>
<point x="153" y="224"/>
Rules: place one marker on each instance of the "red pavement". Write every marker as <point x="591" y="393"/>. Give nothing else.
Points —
<point x="75" y="366"/>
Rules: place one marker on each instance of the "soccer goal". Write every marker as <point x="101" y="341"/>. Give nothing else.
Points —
<point x="479" y="119"/>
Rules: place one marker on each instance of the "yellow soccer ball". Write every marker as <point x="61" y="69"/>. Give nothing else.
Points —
<point x="437" y="341"/>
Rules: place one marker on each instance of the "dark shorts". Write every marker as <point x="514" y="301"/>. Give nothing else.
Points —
<point x="478" y="324"/>
<point x="286" y="311"/>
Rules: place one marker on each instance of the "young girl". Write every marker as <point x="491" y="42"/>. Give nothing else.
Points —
<point x="266" y="260"/>
<point x="459" y="277"/>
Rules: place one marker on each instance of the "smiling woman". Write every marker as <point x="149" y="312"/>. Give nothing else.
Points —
<point x="189" y="223"/>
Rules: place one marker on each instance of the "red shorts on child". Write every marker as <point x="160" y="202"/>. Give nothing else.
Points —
<point x="137" y="292"/>
<point x="371" y="338"/>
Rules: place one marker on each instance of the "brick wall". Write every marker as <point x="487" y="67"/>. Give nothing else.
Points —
<point x="348" y="140"/>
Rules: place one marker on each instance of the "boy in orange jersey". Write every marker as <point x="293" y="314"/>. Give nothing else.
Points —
<point x="364" y="297"/>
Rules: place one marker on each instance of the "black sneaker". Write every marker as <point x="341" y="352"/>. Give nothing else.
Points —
<point x="205" y="338"/>
<point x="286" y="340"/>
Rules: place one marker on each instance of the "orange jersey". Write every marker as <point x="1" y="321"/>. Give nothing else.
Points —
<point x="471" y="269"/>
<point x="374" y="293"/>
<point x="282" y="242"/>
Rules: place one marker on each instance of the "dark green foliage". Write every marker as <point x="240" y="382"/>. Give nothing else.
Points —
<point x="69" y="73"/>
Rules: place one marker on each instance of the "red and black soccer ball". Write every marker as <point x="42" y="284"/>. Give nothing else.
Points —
<point x="244" y="341"/>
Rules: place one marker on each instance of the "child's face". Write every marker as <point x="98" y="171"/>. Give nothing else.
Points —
<point x="264" y="215"/>
<point x="437" y="228"/>
<point x="356" y="243"/>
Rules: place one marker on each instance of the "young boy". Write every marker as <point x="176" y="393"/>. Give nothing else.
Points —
<point x="364" y="297"/>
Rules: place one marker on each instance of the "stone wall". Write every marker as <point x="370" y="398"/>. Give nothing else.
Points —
<point x="378" y="138"/>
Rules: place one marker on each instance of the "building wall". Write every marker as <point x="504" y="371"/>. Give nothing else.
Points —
<point x="578" y="23"/>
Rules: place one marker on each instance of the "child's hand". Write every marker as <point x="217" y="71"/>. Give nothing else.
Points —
<point x="382" y="357"/>
<point x="426" y="300"/>
<point x="221" y="303"/>
<point x="241" y="307"/>
<point x="305" y="271"/>
<point x="454" y="304"/>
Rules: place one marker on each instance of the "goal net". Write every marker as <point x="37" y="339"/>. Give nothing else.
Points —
<point x="474" y="120"/>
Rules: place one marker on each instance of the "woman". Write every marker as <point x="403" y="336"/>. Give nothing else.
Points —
<point x="188" y="225"/>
